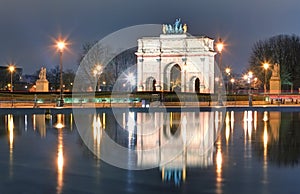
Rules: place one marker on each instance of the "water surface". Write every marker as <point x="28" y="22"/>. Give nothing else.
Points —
<point x="206" y="152"/>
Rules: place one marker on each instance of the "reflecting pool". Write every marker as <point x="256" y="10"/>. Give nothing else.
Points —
<point x="166" y="152"/>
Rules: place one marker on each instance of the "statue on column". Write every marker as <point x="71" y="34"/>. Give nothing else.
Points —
<point x="42" y="74"/>
<point x="275" y="81"/>
<point x="42" y="84"/>
<point x="276" y="70"/>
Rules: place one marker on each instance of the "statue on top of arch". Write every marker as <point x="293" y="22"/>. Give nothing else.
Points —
<point x="176" y="28"/>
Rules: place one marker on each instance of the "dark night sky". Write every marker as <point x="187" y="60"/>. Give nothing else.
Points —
<point x="27" y="27"/>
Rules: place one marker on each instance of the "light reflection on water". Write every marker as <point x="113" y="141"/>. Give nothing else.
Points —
<point x="10" y="127"/>
<point x="267" y="139"/>
<point x="219" y="161"/>
<point x="60" y="153"/>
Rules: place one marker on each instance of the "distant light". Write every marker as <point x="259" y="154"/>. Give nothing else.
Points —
<point x="250" y="74"/>
<point x="95" y="72"/>
<point x="227" y="70"/>
<point x="98" y="67"/>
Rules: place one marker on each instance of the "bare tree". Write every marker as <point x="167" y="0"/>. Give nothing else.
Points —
<point x="281" y="49"/>
<point x="112" y="64"/>
<point x="120" y="64"/>
<point x="53" y="76"/>
<point x="85" y="49"/>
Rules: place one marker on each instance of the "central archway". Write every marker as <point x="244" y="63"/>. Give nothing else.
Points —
<point x="175" y="78"/>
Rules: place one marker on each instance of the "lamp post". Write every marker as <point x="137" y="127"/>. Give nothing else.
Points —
<point x="61" y="45"/>
<point x="232" y="82"/>
<point x="266" y="66"/>
<point x="104" y="85"/>
<point x="217" y="79"/>
<point x="11" y="69"/>
<point x="97" y="72"/>
<point x="220" y="46"/>
<point x="249" y="77"/>
<point x="227" y="70"/>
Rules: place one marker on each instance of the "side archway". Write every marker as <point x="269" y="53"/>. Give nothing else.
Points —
<point x="194" y="84"/>
<point x="197" y="85"/>
<point x="150" y="84"/>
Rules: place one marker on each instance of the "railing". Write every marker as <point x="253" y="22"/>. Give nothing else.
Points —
<point x="106" y="99"/>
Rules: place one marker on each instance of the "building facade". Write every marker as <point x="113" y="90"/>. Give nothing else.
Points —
<point x="175" y="62"/>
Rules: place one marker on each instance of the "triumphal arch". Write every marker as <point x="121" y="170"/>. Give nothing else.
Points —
<point x="175" y="61"/>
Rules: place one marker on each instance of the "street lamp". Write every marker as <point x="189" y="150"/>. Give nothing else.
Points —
<point x="11" y="69"/>
<point x="227" y="70"/>
<point x="104" y="85"/>
<point x="61" y="46"/>
<point x="232" y="82"/>
<point x="220" y="46"/>
<point x="266" y="66"/>
<point x="248" y="77"/>
<point x="97" y="72"/>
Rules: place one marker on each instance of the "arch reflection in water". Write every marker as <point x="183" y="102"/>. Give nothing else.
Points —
<point x="168" y="140"/>
<point x="191" y="144"/>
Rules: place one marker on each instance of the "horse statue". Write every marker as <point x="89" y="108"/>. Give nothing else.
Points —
<point x="176" y="28"/>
